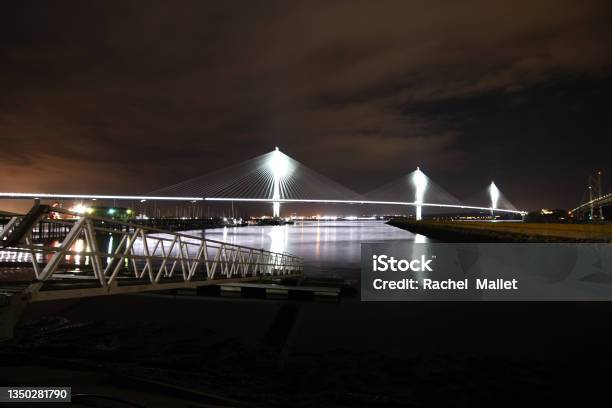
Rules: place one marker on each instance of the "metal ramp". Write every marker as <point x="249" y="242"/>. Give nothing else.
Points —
<point x="101" y="256"/>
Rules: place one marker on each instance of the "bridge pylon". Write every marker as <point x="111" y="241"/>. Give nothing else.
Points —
<point x="595" y="192"/>
<point x="419" y="179"/>
<point x="278" y="171"/>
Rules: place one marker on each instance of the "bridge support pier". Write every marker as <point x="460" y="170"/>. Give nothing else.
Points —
<point x="276" y="209"/>
<point x="419" y="213"/>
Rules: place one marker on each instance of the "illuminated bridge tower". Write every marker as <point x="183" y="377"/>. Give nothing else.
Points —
<point x="494" y="194"/>
<point x="595" y="192"/>
<point x="279" y="169"/>
<point x="419" y="179"/>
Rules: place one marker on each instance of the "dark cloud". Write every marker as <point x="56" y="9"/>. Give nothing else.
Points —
<point x="130" y="96"/>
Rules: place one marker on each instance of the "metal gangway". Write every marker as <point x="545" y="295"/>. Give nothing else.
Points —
<point x="102" y="256"/>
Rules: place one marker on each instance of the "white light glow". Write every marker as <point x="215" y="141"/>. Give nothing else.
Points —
<point x="279" y="164"/>
<point x="80" y="209"/>
<point x="419" y="179"/>
<point x="280" y="168"/>
<point x="494" y="193"/>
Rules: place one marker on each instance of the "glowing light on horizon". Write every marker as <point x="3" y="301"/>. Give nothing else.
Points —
<point x="79" y="209"/>
<point x="419" y="179"/>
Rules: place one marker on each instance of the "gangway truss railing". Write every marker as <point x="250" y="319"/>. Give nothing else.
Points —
<point x="107" y="256"/>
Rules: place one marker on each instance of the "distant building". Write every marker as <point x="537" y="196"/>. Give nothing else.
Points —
<point x="115" y="213"/>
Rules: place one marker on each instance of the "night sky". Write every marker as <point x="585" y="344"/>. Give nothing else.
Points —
<point x="127" y="97"/>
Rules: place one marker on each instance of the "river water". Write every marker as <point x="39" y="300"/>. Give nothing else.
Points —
<point x="329" y="248"/>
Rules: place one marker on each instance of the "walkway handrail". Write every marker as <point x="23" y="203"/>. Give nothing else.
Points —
<point x="140" y="253"/>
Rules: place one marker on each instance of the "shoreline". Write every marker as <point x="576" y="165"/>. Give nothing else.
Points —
<point x="481" y="232"/>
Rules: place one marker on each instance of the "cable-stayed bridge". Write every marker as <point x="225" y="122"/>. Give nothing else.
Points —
<point x="276" y="178"/>
<point x="594" y="200"/>
<point x="594" y="204"/>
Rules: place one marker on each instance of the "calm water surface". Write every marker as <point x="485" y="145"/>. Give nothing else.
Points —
<point x="332" y="248"/>
<point x="329" y="248"/>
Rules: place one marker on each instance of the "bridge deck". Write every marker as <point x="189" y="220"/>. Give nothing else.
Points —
<point x="260" y="200"/>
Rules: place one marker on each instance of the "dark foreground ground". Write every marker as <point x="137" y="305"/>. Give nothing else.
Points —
<point x="187" y="351"/>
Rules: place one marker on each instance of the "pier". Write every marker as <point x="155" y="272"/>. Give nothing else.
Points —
<point x="100" y="256"/>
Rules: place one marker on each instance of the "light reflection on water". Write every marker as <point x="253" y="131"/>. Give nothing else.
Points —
<point x="331" y="248"/>
<point x="328" y="247"/>
<point x="79" y="246"/>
